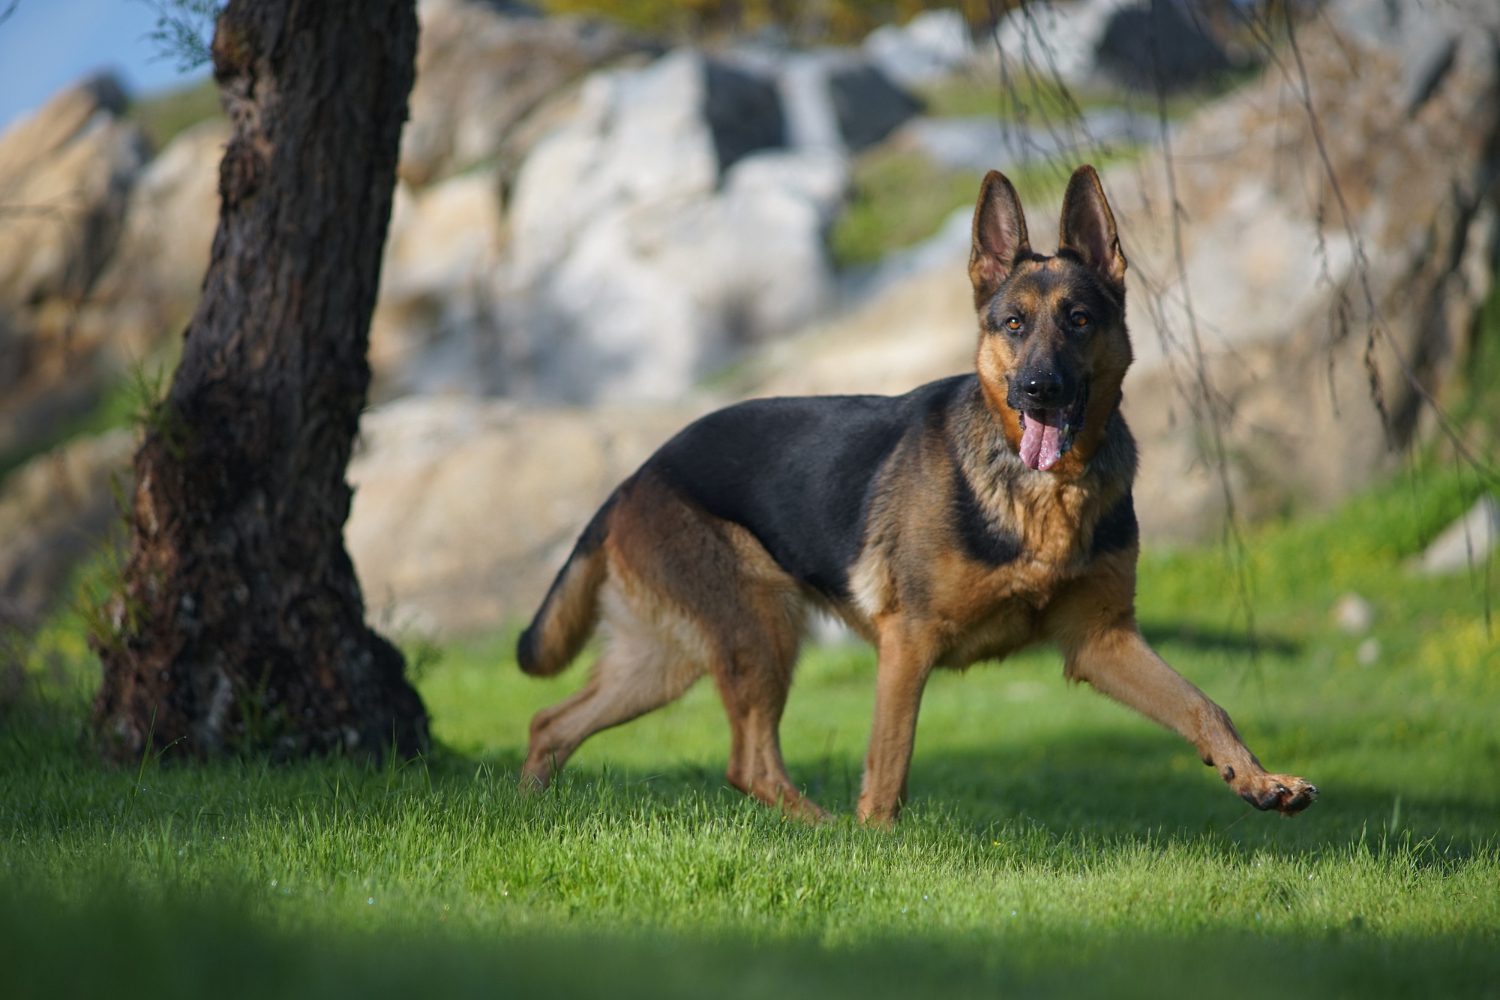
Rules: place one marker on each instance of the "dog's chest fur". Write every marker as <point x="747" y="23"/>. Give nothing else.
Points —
<point x="977" y="546"/>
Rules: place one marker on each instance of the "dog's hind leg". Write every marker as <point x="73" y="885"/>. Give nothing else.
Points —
<point x="641" y="669"/>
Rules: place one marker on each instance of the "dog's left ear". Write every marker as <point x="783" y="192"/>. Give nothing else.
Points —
<point x="1088" y="227"/>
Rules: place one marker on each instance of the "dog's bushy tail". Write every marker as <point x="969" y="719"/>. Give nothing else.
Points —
<point x="570" y="610"/>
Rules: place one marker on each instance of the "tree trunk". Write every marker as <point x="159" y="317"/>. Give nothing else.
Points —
<point x="239" y="623"/>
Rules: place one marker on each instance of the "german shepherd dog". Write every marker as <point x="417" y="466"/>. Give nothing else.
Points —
<point x="968" y="518"/>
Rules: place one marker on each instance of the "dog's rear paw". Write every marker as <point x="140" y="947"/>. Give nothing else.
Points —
<point x="1283" y="792"/>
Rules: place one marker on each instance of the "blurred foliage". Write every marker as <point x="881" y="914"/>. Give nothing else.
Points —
<point x="165" y="115"/>
<point x="816" y="21"/>
<point x="898" y="197"/>
<point x="1028" y="97"/>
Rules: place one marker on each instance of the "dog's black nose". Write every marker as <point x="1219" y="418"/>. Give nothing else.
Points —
<point x="1043" y="390"/>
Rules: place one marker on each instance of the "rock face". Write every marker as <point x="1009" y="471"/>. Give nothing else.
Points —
<point x="483" y="72"/>
<point x="663" y="228"/>
<point x="65" y="178"/>
<point x="1165" y="44"/>
<point x="53" y="513"/>
<point x="1305" y="289"/>
<point x="148" y="291"/>
<point x="435" y="327"/>
<point x="65" y="175"/>
<point x="932" y="45"/>
<point x="1159" y="45"/>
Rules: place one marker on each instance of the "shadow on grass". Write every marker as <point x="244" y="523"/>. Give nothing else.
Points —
<point x="1106" y="789"/>
<point x="118" y="944"/>
<point x="1160" y="633"/>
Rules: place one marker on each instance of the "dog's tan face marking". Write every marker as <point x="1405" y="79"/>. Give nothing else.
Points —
<point x="1052" y="329"/>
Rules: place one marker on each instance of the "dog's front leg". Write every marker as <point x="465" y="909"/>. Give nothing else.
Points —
<point x="906" y="656"/>
<point x="1115" y="659"/>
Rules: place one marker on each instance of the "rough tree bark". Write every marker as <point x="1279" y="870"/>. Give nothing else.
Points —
<point x="239" y="623"/>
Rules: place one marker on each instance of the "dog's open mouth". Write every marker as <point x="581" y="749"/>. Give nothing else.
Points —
<point x="1046" y="435"/>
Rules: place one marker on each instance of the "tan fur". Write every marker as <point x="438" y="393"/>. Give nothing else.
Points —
<point x="572" y="612"/>
<point x="682" y="594"/>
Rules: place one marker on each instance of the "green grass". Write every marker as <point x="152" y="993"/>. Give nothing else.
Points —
<point x="1056" y="844"/>
<point x="898" y="198"/>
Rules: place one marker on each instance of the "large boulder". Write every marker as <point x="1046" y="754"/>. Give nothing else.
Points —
<point x="150" y="287"/>
<point x="435" y="327"/>
<point x="663" y="229"/>
<point x="464" y="509"/>
<point x="65" y="176"/>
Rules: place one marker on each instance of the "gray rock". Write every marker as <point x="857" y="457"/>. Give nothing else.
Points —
<point x="837" y="100"/>
<point x="933" y="45"/>
<point x="1353" y="614"/>
<point x="867" y="104"/>
<point x="743" y="112"/>
<point x="54" y="512"/>
<point x="435" y="327"/>
<point x="66" y="174"/>
<point x="1052" y="40"/>
<point x="150" y="286"/>
<point x="484" y="70"/>
<point x="1467" y="543"/>
<point x="637" y="261"/>
<point x="1160" y="44"/>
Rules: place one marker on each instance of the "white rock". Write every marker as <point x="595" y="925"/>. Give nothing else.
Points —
<point x="932" y="45"/>
<point x="1353" y="614"/>
<point x="1464" y="544"/>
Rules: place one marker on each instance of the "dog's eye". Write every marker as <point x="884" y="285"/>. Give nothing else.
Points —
<point x="1079" y="319"/>
<point x="1013" y="323"/>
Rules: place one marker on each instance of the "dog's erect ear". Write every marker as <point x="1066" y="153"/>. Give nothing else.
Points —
<point x="1088" y="227"/>
<point x="999" y="236"/>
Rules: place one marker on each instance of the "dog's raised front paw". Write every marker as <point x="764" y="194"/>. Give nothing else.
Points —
<point x="1285" y="793"/>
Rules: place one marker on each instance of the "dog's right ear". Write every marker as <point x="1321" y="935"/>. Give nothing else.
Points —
<point x="999" y="236"/>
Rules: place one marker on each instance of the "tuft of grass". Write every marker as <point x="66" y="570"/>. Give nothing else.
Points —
<point x="1056" y="844"/>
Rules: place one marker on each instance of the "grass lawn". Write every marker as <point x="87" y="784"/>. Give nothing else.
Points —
<point x="1056" y="844"/>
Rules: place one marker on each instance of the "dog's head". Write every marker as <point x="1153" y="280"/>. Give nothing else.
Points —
<point x="1053" y="348"/>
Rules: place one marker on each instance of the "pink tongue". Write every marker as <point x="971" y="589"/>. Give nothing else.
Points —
<point x="1041" y="441"/>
